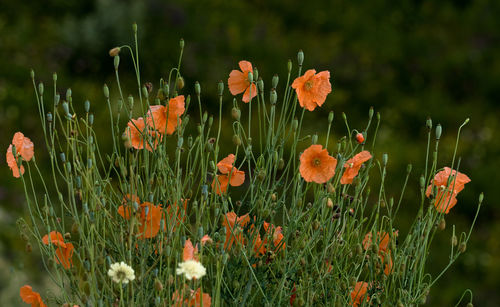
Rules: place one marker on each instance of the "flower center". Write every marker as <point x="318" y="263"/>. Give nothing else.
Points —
<point x="121" y="275"/>
<point x="316" y="162"/>
<point x="308" y="85"/>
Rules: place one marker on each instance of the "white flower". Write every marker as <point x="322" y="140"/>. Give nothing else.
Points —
<point x="191" y="269"/>
<point x="121" y="272"/>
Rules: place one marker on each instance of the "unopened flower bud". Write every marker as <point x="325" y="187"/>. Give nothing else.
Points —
<point x="210" y="121"/>
<point x="295" y="124"/>
<point x="439" y="130"/>
<point x="274" y="81"/>
<point x="289" y="66"/>
<point x="91" y="119"/>
<point x="260" y="85"/>
<point x="385" y="157"/>
<point x="428" y="123"/>
<point x="330" y="188"/>
<point x="408" y="168"/>
<point x="462" y="247"/>
<point x="261" y="175"/>
<point x="273" y="97"/>
<point x="360" y="138"/>
<point x="481" y="197"/>
<point x="145" y="91"/>
<point x="32" y="74"/>
<point x="40" y="88"/>
<point x="236" y="140"/>
<point x="180" y="83"/>
<point x="114" y="52"/>
<point x="330" y="117"/>
<point x="250" y="78"/>
<point x="220" y="88"/>
<point x="454" y="240"/>
<point x="314" y="139"/>
<point x="181" y="43"/>
<point x="158" y="285"/>
<point x="57" y="98"/>
<point x="116" y="62"/>
<point x="49" y="117"/>
<point x="197" y="88"/>
<point x="274" y="197"/>
<point x="236" y="113"/>
<point x="63" y="157"/>
<point x="86" y="106"/>
<point x="442" y="224"/>
<point x="106" y="91"/>
<point x="300" y="57"/>
<point x="281" y="164"/>
<point x="422" y="182"/>
<point x="329" y="202"/>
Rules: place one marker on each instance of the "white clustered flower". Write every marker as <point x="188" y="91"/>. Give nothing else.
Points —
<point x="121" y="272"/>
<point x="191" y="269"/>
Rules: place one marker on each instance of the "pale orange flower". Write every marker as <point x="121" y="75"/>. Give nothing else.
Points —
<point x="238" y="81"/>
<point x="316" y="165"/>
<point x="359" y="293"/>
<point x="193" y="299"/>
<point x="447" y="188"/>
<point x="24" y="148"/>
<point x="165" y="118"/>
<point x="234" y="231"/>
<point x="353" y="165"/>
<point x="383" y="247"/>
<point x="138" y="134"/>
<point x="312" y="88"/>
<point x="276" y="233"/>
<point x="206" y="239"/>
<point x="64" y="251"/>
<point x="189" y="252"/>
<point x="31" y="297"/>
<point x="230" y="175"/>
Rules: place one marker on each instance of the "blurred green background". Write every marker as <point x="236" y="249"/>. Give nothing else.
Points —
<point x="407" y="59"/>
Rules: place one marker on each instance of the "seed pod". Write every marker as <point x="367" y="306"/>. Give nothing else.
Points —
<point x="260" y="85"/>
<point x="197" y="88"/>
<point x="273" y="97"/>
<point x="274" y="81"/>
<point x="116" y="62"/>
<point x="384" y="159"/>
<point x="428" y="123"/>
<point x="105" y="90"/>
<point x="439" y="130"/>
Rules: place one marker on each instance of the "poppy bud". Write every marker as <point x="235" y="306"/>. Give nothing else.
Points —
<point x="422" y="182"/>
<point x="181" y="43"/>
<point x="91" y="119"/>
<point x="295" y="124"/>
<point x="220" y="88"/>
<point x="236" y="113"/>
<point x="439" y="130"/>
<point x="49" y="117"/>
<point x="116" y="62"/>
<point x="57" y="98"/>
<point x="40" y="88"/>
<point x="197" y="88"/>
<point x="384" y="159"/>
<point x="428" y="123"/>
<point x="454" y="240"/>
<point x="261" y="175"/>
<point x="65" y="107"/>
<point x="145" y="91"/>
<point x="180" y="141"/>
<point x="289" y="66"/>
<point x="250" y="78"/>
<point x="360" y="138"/>
<point x="274" y="81"/>
<point x="281" y="164"/>
<point x="370" y="113"/>
<point x="470" y="305"/>
<point x="442" y="224"/>
<point x="329" y="202"/>
<point x="314" y="139"/>
<point x="315" y="224"/>
<point x="273" y="97"/>
<point x="86" y="106"/>
<point x="359" y="249"/>
<point x="481" y="197"/>
<point x="106" y="90"/>
<point x="462" y="247"/>
<point x="32" y="74"/>
<point x="114" y="52"/>
<point x="330" y="117"/>
<point x="408" y="168"/>
<point x="210" y="121"/>
<point x="204" y="117"/>
<point x="300" y="57"/>
<point x="158" y="285"/>
<point x="330" y="188"/>
<point x="236" y="140"/>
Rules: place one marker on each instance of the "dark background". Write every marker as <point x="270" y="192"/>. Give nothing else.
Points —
<point x="407" y="59"/>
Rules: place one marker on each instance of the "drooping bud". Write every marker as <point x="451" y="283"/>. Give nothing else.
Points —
<point x="360" y="138"/>
<point x="180" y="83"/>
<point x="236" y="113"/>
<point x="114" y="52"/>
<point x="370" y="113"/>
<point x="236" y="140"/>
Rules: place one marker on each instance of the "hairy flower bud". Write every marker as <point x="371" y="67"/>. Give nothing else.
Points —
<point x="114" y="52"/>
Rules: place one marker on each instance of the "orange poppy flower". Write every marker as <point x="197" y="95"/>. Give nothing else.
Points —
<point x="64" y="251"/>
<point x="150" y="218"/>
<point x="24" y="148"/>
<point x="316" y="165"/>
<point x="276" y="234"/>
<point x="31" y="297"/>
<point x="124" y="209"/>
<point x="206" y="239"/>
<point x="312" y="88"/>
<point x="383" y="248"/>
<point x="230" y="175"/>
<point x="238" y="81"/>
<point x="193" y="299"/>
<point x="353" y="165"/>
<point x="137" y="134"/>
<point x="448" y="188"/>
<point x="359" y="293"/>
<point x="165" y="118"/>
<point x="189" y="252"/>
<point x="233" y="225"/>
